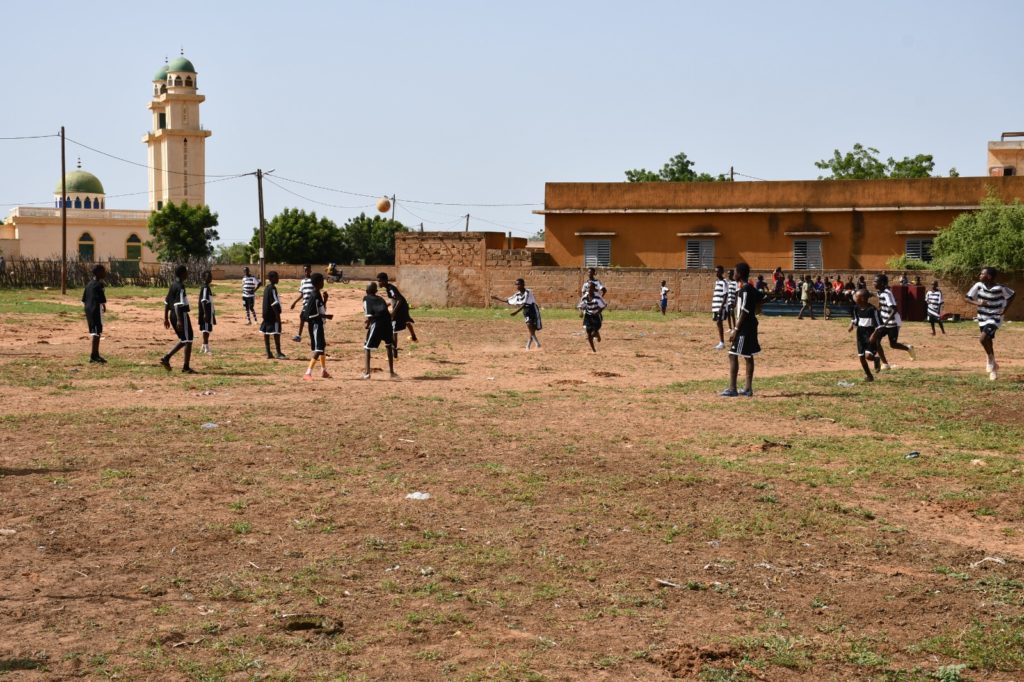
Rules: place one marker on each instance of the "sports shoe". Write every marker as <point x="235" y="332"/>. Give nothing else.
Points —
<point x="744" y="392"/>
<point x="364" y="376"/>
<point x="869" y="377"/>
<point x="188" y="370"/>
<point x="990" y="366"/>
<point x="886" y="366"/>
<point x="325" y="374"/>
<point x="720" y="346"/>
<point x="165" y="363"/>
<point x="993" y="372"/>
<point x="307" y="377"/>
<point x="911" y="353"/>
<point x="395" y="376"/>
<point x="729" y="393"/>
<point x="281" y="356"/>
<point x="296" y="338"/>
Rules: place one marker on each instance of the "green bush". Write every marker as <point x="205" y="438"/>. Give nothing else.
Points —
<point x="905" y="263"/>
<point x="992" y="236"/>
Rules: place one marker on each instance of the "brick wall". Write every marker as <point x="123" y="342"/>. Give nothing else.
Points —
<point x="456" y="249"/>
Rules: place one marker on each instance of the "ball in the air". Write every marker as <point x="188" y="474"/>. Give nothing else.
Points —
<point x="383" y="204"/>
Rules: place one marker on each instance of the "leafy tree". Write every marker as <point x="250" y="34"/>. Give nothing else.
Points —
<point x="993" y="235"/>
<point x="678" y="169"/>
<point x="862" y="163"/>
<point x="537" y="236"/>
<point x="181" y="231"/>
<point x="373" y="239"/>
<point x="234" y="254"/>
<point x="294" y="236"/>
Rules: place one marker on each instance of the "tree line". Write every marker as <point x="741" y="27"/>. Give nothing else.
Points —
<point x="180" y="232"/>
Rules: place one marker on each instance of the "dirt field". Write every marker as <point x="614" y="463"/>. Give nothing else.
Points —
<point x="591" y="516"/>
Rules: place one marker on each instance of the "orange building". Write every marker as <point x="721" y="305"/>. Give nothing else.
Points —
<point x="796" y="225"/>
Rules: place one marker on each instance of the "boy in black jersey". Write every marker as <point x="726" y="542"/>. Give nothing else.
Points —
<point x="95" y="301"/>
<point x="271" y="325"/>
<point x="315" y="314"/>
<point x="176" y="315"/>
<point x="207" y="318"/>
<point x="400" y="317"/>
<point x="378" y="328"/>
<point x="743" y="336"/>
<point x="866" y="319"/>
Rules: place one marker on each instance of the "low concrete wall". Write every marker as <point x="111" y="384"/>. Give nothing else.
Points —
<point x="355" y="273"/>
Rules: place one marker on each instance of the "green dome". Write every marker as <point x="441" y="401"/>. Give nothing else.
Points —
<point x="81" y="182"/>
<point x="161" y="75"/>
<point x="180" y="64"/>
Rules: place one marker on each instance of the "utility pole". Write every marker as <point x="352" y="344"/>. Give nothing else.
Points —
<point x="421" y="227"/>
<point x="467" y="222"/>
<point x="63" y="218"/>
<point x="732" y="174"/>
<point x="263" y="243"/>
<point x="394" y="204"/>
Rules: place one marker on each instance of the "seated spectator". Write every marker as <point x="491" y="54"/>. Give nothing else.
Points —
<point x="790" y="289"/>
<point x="761" y="286"/>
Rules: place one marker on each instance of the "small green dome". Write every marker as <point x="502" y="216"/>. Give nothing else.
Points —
<point x="180" y="64"/>
<point x="81" y="182"/>
<point x="161" y="75"/>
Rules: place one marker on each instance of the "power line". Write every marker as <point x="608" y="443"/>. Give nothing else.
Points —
<point x="132" y="194"/>
<point x="408" y="201"/>
<point x="29" y="137"/>
<point x="285" y="189"/>
<point x="143" y="165"/>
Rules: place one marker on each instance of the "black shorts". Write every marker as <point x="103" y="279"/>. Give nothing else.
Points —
<point x="95" y="321"/>
<point x="934" y="318"/>
<point x="744" y="343"/>
<point x="317" y="337"/>
<point x="719" y="315"/>
<point x="183" y="327"/>
<point x="592" y="323"/>
<point x="249" y="302"/>
<point x="377" y="334"/>
<point x="531" y="314"/>
<point x="401" y="317"/>
<point x="990" y="329"/>
<point x="865" y="347"/>
<point x="271" y="328"/>
<point x="206" y="325"/>
<point x="302" y="315"/>
<point x="893" y="333"/>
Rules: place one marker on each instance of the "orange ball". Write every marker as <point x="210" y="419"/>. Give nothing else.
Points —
<point x="383" y="204"/>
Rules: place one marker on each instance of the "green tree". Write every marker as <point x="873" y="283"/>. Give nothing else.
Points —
<point x="992" y="235"/>
<point x="181" y="231"/>
<point x="373" y="239"/>
<point x="294" y="236"/>
<point x="863" y="163"/>
<point x="234" y="254"/>
<point x="678" y="169"/>
<point x="537" y="236"/>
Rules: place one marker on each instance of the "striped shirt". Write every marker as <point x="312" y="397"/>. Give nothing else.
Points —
<point x="206" y="301"/>
<point x="734" y="287"/>
<point x="522" y="298"/>
<point x="306" y="288"/>
<point x="991" y="300"/>
<point x="887" y="304"/>
<point x="592" y="306"/>
<point x="867" y="318"/>
<point x="719" y="295"/>
<point x="596" y="283"/>
<point x="249" y="284"/>
<point x="934" y="301"/>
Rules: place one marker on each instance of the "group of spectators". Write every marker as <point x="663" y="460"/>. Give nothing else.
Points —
<point x="787" y="289"/>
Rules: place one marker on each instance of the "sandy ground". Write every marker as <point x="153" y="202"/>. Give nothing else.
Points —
<point x="564" y="484"/>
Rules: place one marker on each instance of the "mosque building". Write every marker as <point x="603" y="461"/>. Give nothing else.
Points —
<point x="96" y="232"/>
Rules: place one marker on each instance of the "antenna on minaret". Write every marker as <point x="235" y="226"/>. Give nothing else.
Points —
<point x="79" y="163"/>
<point x="182" y="51"/>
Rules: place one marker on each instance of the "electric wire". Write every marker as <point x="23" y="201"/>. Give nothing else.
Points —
<point x="143" y="165"/>
<point x="322" y="203"/>
<point x="408" y="201"/>
<point x="29" y="137"/>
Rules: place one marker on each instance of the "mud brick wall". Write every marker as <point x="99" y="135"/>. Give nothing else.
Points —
<point x="461" y="249"/>
<point x="509" y="258"/>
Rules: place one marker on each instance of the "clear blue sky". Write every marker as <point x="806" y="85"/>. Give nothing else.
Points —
<point x="483" y="102"/>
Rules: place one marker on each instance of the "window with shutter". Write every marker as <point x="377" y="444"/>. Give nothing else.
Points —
<point x="807" y="254"/>
<point x="920" y="249"/>
<point x="597" y="253"/>
<point x="700" y="254"/>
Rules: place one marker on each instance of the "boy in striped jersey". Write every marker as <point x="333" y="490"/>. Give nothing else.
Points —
<point x="730" y="301"/>
<point x="590" y="307"/>
<point x="891" y="320"/>
<point x="866" y="320"/>
<point x="933" y="299"/>
<point x="272" y="317"/>
<point x="207" y="318"/>
<point x="316" y="315"/>
<point x="718" y="299"/>
<point x="525" y="303"/>
<point x="176" y="314"/>
<point x="249" y="286"/>
<point x="992" y="300"/>
<point x="378" y="328"/>
<point x="305" y="291"/>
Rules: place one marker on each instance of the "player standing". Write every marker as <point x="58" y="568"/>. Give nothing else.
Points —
<point x="305" y="291"/>
<point x="249" y="286"/>
<point x="176" y="314"/>
<point x="271" y="325"/>
<point x="663" y="302"/>
<point x="94" y="299"/>
<point x="744" y="335"/>
<point x="378" y="329"/>
<point x="934" y="300"/>
<point x="207" y="318"/>
<point x="718" y="305"/>
<point x="315" y="313"/>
